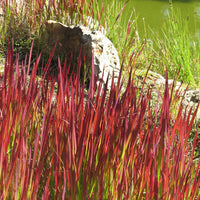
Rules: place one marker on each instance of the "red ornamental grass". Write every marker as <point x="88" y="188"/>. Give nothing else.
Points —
<point x="63" y="143"/>
<point x="32" y="15"/>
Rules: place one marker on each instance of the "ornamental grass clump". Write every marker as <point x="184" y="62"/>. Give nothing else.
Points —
<point x="58" y="141"/>
<point x="178" y="48"/>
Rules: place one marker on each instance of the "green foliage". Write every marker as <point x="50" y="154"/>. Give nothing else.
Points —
<point x="179" y="49"/>
<point x="122" y="31"/>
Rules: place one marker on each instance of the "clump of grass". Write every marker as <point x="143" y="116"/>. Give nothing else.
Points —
<point x="122" y="31"/>
<point x="177" y="48"/>
<point x="171" y="50"/>
<point x="63" y="144"/>
<point x="57" y="142"/>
